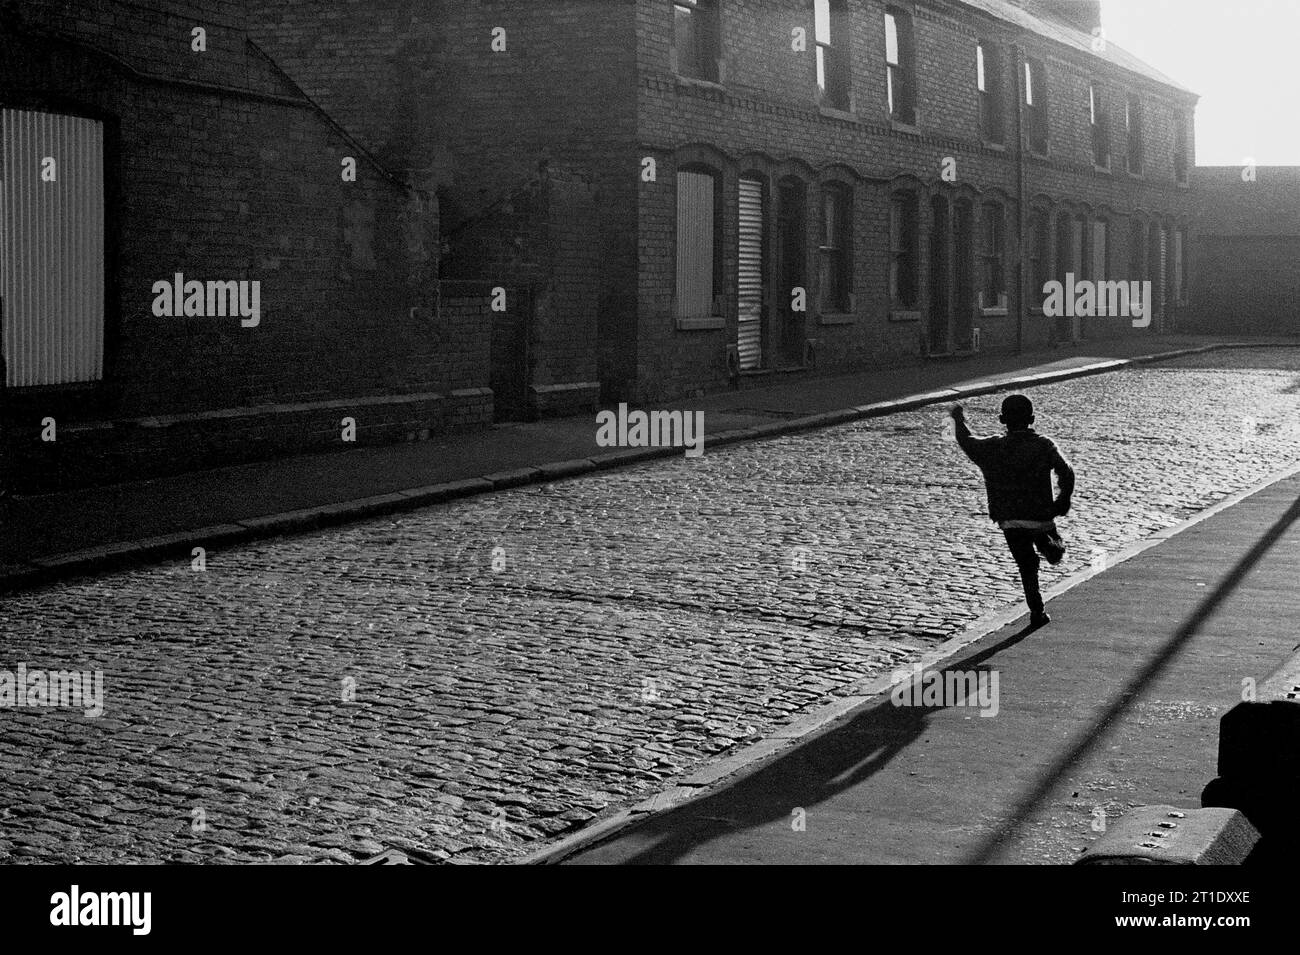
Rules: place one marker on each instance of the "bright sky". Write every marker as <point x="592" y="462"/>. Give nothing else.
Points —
<point x="1239" y="55"/>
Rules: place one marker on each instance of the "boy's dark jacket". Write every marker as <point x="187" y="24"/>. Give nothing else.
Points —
<point x="1018" y="470"/>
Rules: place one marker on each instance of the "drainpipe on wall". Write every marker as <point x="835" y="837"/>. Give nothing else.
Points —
<point x="1017" y="58"/>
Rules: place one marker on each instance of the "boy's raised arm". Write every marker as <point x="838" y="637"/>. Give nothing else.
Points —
<point x="968" y="442"/>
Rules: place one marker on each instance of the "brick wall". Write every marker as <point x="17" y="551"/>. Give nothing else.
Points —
<point x="219" y="168"/>
<point x="764" y="118"/>
<point x="558" y="97"/>
<point x="1243" y="277"/>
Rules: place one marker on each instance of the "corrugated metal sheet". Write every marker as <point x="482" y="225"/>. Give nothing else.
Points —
<point x="52" y="248"/>
<point x="749" y="275"/>
<point x="694" y="245"/>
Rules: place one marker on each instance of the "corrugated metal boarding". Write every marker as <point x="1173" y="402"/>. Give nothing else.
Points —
<point x="694" y="245"/>
<point x="749" y="276"/>
<point x="52" y="247"/>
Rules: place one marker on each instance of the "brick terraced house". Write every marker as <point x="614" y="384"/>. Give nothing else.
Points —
<point x="702" y="193"/>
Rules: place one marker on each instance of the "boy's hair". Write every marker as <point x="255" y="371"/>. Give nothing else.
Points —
<point x="1017" y="411"/>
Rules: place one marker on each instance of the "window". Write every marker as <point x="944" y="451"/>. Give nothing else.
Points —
<point x="833" y="251"/>
<point x="52" y="244"/>
<point x="831" y="30"/>
<point x="993" y="291"/>
<point x="696" y="34"/>
<point x="900" y="61"/>
<point x="1100" y="129"/>
<point x="988" y="78"/>
<point x="698" y="261"/>
<point x="1180" y="149"/>
<point x="1040" y="255"/>
<point x="904" y="267"/>
<point x="1133" y="129"/>
<point x="1036" y="106"/>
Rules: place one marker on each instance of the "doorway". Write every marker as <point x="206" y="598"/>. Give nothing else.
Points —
<point x="792" y="267"/>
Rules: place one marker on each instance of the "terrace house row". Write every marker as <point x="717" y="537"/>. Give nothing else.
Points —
<point x="703" y="193"/>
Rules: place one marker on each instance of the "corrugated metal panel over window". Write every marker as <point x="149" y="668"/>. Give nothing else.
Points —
<point x="749" y="330"/>
<point x="52" y="247"/>
<point x="694" y="244"/>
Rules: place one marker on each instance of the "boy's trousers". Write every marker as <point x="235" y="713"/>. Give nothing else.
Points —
<point x="1025" y="545"/>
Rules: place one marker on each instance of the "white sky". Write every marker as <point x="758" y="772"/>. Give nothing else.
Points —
<point x="1241" y="56"/>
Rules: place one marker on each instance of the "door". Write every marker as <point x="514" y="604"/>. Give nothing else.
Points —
<point x="940" y="285"/>
<point x="963" y="300"/>
<point x="1078" y="265"/>
<point x="749" y="275"/>
<point x="792" y="267"/>
<point x="1155" y="273"/>
<point x="509" y="354"/>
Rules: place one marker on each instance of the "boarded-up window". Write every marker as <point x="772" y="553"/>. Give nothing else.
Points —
<point x="51" y="247"/>
<point x="749" y="274"/>
<point x="696" y="246"/>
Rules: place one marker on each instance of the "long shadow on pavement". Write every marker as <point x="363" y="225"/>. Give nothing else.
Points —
<point x="1089" y="739"/>
<point x="809" y="774"/>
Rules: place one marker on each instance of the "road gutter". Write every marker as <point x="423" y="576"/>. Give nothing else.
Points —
<point x="43" y="570"/>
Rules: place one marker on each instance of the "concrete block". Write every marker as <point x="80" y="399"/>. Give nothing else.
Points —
<point x="1166" y="835"/>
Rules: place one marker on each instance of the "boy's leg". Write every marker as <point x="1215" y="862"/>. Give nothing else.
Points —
<point x="1021" y="543"/>
<point x="1050" y="545"/>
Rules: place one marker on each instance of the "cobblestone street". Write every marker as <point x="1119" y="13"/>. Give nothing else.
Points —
<point x="476" y="678"/>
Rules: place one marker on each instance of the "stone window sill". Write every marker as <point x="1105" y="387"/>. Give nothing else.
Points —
<point x="833" y="112"/>
<point x="905" y="315"/>
<point x="683" y="80"/>
<point x="700" y="323"/>
<point x="836" y="318"/>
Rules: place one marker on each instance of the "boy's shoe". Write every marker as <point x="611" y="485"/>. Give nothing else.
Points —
<point x="1052" y="548"/>
<point x="1039" y="619"/>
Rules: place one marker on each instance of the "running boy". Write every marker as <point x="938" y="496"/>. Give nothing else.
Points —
<point x="1017" y="471"/>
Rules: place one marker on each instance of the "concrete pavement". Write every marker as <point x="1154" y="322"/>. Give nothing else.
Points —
<point x="1113" y="705"/>
<point x="55" y="535"/>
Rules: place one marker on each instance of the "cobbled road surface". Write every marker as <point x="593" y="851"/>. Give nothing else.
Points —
<point x="472" y="680"/>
